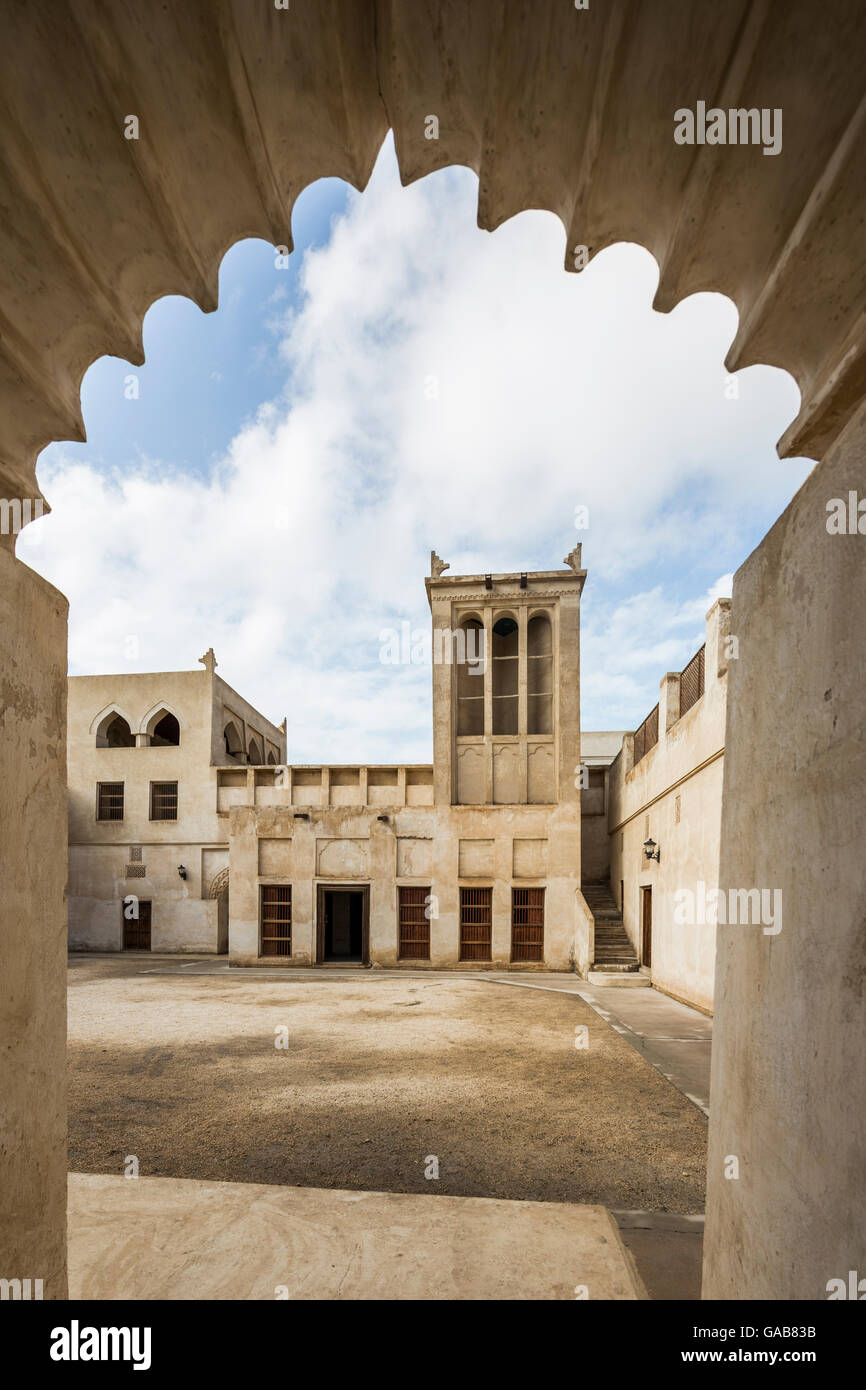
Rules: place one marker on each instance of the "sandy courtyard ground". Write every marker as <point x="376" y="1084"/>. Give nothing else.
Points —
<point x="379" y="1073"/>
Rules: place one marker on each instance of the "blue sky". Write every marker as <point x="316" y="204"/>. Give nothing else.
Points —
<point x="408" y="382"/>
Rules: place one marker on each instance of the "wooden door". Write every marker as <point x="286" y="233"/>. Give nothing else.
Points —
<point x="136" y="932"/>
<point x="646" y="926"/>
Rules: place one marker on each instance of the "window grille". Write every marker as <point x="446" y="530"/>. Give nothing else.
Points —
<point x="276" y="919"/>
<point x="109" y="801"/>
<point x="527" y="924"/>
<point x="476" y="917"/>
<point x="647" y="736"/>
<point x="414" y="924"/>
<point x="692" y="681"/>
<point x="163" y="801"/>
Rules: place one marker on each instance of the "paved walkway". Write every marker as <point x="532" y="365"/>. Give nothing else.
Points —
<point x="674" y="1038"/>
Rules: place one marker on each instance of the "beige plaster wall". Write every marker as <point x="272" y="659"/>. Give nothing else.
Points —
<point x="674" y="796"/>
<point x="227" y="702"/>
<point x="788" y="1081"/>
<point x="437" y="847"/>
<point x="32" y="928"/>
<point x="183" y="916"/>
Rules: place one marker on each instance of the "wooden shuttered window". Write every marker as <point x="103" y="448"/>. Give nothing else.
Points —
<point x="527" y="924"/>
<point x="414" y="924"/>
<point x="476" y="917"/>
<point x="163" y="801"/>
<point x="276" y="919"/>
<point x="109" y="801"/>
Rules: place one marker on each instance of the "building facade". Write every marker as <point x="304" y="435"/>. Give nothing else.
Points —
<point x="184" y="812"/>
<point x="470" y="862"/>
<point x="664" y="821"/>
<point x="154" y="760"/>
<point x="521" y="846"/>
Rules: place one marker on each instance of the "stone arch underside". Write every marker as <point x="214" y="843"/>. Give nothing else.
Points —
<point x="240" y="107"/>
<point x="556" y="108"/>
<point x="219" y="884"/>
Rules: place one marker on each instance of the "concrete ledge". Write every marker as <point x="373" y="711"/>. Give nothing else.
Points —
<point x="619" y="980"/>
<point x="173" y="1238"/>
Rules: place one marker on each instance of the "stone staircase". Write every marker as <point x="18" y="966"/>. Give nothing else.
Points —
<point x="614" y="954"/>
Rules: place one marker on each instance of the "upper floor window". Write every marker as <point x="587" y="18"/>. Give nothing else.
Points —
<point x="163" y="801"/>
<point x="254" y="754"/>
<point x="470" y="677"/>
<point x="118" y="734"/>
<point x="539" y="675"/>
<point x="164" y="730"/>
<point x="232" y="739"/>
<point x="113" y="731"/>
<point x="109" y="801"/>
<point x="506" y="666"/>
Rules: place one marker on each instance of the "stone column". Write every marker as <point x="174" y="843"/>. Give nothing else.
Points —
<point x="669" y="702"/>
<point x="33" y="857"/>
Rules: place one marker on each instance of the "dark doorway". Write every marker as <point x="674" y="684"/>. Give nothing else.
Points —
<point x="136" y="931"/>
<point x="646" y="926"/>
<point x="223" y="922"/>
<point x="343" y="928"/>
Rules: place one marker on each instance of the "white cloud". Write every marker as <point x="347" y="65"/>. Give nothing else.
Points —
<point x="445" y="388"/>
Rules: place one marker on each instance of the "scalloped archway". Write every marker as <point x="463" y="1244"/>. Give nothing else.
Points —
<point x="554" y="107"/>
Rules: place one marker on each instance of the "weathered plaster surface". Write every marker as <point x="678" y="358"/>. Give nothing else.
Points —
<point x="32" y="927"/>
<point x="788" y="1081"/>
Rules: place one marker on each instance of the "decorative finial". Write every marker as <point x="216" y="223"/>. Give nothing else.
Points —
<point x="208" y="661"/>
<point x="572" y="559"/>
<point x="282" y="727"/>
<point x="436" y="565"/>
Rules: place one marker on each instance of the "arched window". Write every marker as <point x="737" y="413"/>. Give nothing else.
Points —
<point x="506" y="664"/>
<point x="470" y="677"/>
<point x="114" y="731"/>
<point x="165" y="733"/>
<point x="160" y="728"/>
<point x="233" y="743"/>
<point x="271" y="759"/>
<point x="539" y="675"/>
<point x="118" y="734"/>
<point x="255" y="753"/>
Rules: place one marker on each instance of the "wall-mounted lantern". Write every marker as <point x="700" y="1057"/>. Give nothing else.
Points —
<point x="651" y="851"/>
<point x="181" y="871"/>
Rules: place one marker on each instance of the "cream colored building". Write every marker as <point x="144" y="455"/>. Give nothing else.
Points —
<point x="471" y="861"/>
<point x="148" y="805"/>
<point x="520" y="846"/>
<point x="664" y="821"/>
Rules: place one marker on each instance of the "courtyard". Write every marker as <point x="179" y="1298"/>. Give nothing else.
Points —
<point x="416" y="1083"/>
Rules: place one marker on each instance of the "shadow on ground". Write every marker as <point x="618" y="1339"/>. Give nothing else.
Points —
<point x="377" y="1080"/>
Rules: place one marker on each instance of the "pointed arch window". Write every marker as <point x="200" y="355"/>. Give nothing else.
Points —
<point x="114" y="732"/>
<point x="539" y="675"/>
<point x="166" y="732"/>
<point x="232" y="740"/>
<point x="506" y="664"/>
<point x="470" y="677"/>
